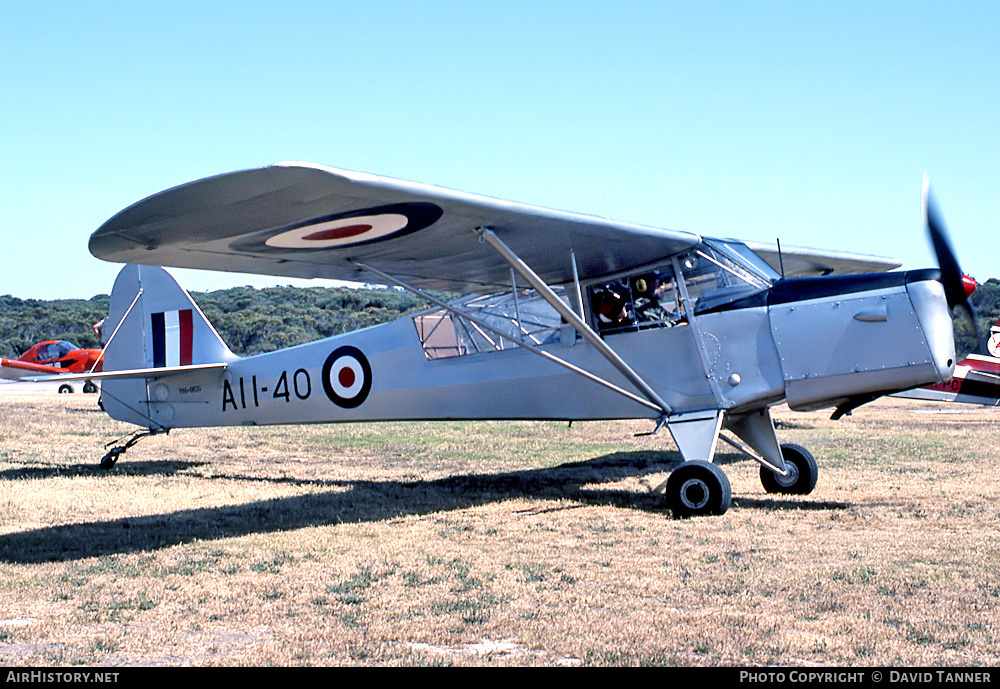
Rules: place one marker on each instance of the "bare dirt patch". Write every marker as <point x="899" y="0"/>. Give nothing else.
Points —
<point x="492" y="544"/>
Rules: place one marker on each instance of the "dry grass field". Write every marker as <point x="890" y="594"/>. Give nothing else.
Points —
<point x="492" y="544"/>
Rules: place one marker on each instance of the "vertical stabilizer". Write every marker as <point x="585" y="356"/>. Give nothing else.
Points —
<point x="152" y="323"/>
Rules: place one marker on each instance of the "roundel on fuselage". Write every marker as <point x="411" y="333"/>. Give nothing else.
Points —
<point x="347" y="377"/>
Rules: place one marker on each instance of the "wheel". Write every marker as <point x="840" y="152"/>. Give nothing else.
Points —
<point x="802" y="472"/>
<point x="89" y="387"/>
<point x="108" y="460"/>
<point x="65" y="388"/>
<point x="697" y="489"/>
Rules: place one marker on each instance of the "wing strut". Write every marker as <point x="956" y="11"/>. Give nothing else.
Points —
<point x="481" y="324"/>
<point x="572" y="318"/>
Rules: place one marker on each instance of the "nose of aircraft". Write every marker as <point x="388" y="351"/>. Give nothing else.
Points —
<point x="852" y="338"/>
<point x="930" y="305"/>
<point x="845" y="340"/>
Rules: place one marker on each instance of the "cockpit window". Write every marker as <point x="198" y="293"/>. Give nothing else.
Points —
<point x="715" y="277"/>
<point x="523" y="316"/>
<point x="53" y="351"/>
<point x="743" y="254"/>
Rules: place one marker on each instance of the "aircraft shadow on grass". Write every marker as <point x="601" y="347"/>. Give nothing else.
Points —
<point x="361" y="502"/>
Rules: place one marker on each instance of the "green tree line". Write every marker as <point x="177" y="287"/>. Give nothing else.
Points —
<point x="249" y="320"/>
<point x="254" y="321"/>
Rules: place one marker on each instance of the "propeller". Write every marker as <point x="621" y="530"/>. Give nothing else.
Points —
<point x="958" y="287"/>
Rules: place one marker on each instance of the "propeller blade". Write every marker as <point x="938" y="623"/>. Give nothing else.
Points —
<point x="951" y="273"/>
<point x="958" y="287"/>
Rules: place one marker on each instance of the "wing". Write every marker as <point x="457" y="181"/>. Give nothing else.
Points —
<point x="984" y="377"/>
<point x="801" y="262"/>
<point x="983" y="369"/>
<point x="304" y="220"/>
<point x="15" y="370"/>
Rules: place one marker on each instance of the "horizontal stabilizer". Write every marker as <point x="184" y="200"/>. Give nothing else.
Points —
<point x="148" y="373"/>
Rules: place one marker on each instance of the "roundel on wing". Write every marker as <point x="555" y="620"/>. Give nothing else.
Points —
<point x="347" y="377"/>
<point x="341" y="230"/>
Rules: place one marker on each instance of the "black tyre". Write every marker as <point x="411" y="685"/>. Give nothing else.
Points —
<point x="65" y="389"/>
<point x="89" y="388"/>
<point x="108" y="460"/>
<point x="802" y="474"/>
<point x="698" y="489"/>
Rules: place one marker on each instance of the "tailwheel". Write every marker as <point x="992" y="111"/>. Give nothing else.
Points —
<point x="802" y="472"/>
<point x="108" y="460"/>
<point x="697" y="489"/>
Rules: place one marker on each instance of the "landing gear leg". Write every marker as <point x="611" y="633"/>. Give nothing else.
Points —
<point x="698" y="488"/>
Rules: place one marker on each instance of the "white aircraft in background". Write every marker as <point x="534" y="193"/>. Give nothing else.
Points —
<point x="976" y="379"/>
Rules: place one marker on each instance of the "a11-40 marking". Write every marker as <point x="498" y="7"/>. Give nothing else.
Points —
<point x="243" y="393"/>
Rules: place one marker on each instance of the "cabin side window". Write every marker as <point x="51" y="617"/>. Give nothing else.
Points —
<point x="496" y="323"/>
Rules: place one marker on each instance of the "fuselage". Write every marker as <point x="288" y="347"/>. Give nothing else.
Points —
<point x="812" y="342"/>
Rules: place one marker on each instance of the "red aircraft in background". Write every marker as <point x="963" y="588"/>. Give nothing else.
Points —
<point x="53" y="356"/>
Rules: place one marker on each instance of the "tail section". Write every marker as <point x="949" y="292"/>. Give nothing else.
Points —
<point x="152" y="323"/>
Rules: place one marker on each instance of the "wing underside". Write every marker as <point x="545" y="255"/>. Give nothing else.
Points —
<point x="303" y="220"/>
<point x="310" y="221"/>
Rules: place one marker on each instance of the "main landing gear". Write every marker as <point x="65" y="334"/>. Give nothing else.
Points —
<point x="802" y="472"/>
<point x="700" y="489"/>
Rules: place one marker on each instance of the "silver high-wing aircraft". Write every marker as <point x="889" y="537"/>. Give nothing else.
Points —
<point x="560" y="316"/>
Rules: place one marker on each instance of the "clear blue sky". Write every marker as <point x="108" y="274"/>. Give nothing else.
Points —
<point x="812" y="122"/>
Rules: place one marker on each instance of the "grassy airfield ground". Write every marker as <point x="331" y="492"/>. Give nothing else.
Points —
<point x="492" y="544"/>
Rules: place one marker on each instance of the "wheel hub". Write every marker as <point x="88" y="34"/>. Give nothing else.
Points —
<point x="694" y="494"/>
<point x="793" y="475"/>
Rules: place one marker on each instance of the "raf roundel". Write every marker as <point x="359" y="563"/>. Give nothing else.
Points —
<point x="347" y="377"/>
<point x="342" y="230"/>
